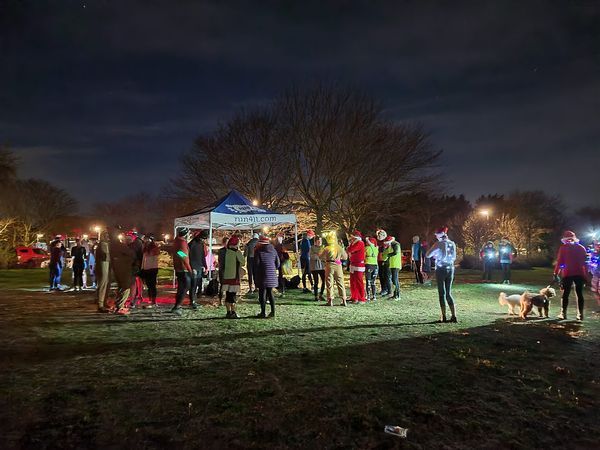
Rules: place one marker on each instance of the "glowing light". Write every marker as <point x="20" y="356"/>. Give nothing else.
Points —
<point x="85" y="236"/>
<point x="485" y="213"/>
<point x="97" y="229"/>
<point x="40" y="235"/>
<point x="167" y="237"/>
<point x="181" y="254"/>
<point x="120" y="236"/>
<point x="255" y="202"/>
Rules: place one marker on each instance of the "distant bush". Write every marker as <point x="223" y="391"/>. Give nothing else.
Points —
<point x="520" y="262"/>
<point x="470" y="262"/>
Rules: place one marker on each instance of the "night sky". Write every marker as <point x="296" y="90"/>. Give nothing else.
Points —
<point x="102" y="97"/>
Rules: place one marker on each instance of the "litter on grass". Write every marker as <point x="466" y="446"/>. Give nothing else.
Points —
<point x="396" y="431"/>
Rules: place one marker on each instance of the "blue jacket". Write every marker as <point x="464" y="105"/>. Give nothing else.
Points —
<point x="305" y="248"/>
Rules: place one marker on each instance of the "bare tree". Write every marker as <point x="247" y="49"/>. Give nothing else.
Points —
<point x="350" y="163"/>
<point x="245" y="153"/>
<point x="8" y="166"/>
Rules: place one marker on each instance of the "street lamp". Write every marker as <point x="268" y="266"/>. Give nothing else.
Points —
<point x="485" y="213"/>
<point x="97" y="230"/>
<point x="255" y="202"/>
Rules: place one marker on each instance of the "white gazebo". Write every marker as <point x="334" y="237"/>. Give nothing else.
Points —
<point x="234" y="212"/>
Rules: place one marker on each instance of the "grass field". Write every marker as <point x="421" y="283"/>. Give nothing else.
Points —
<point x="313" y="377"/>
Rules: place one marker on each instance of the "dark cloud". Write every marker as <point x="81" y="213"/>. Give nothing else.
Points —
<point x="508" y="89"/>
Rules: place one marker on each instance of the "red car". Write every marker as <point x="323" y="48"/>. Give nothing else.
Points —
<point x="32" y="257"/>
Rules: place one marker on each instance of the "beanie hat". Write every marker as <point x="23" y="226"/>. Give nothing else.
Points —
<point x="182" y="231"/>
<point x="233" y="241"/>
<point x="569" y="236"/>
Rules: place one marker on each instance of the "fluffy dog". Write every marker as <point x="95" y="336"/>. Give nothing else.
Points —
<point x="511" y="301"/>
<point x="541" y="301"/>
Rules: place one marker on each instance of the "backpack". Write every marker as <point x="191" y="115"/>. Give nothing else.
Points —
<point x="212" y="288"/>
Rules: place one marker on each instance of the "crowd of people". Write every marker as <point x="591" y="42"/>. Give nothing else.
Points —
<point x="133" y="260"/>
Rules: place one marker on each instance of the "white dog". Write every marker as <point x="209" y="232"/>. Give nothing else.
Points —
<point x="511" y="301"/>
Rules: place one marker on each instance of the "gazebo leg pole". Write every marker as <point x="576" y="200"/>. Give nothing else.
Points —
<point x="174" y="236"/>
<point x="296" y="243"/>
<point x="210" y="252"/>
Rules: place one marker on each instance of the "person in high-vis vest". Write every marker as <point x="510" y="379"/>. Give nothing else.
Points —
<point x="371" y="267"/>
<point x="393" y="254"/>
<point x="356" y="253"/>
<point x="384" y="266"/>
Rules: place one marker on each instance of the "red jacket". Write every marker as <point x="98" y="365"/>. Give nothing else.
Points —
<point x="181" y="255"/>
<point x="356" y="252"/>
<point x="570" y="261"/>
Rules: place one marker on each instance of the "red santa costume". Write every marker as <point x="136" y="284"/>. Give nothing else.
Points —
<point x="356" y="253"/>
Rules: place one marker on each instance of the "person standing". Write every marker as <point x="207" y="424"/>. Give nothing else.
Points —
<point x="393" y="254"/>
<point x="102" y="271"/>
<point x="249" y="255"/>
<point x="266" y="267"/>
<point x="220" y="262"/>
<point x="487" y="254"/>
<point x="426" y="262"/>
<point x="198" y="254"/>
<point x="57" y="263"/>
<point x="283" y="258"/>
<point x="571" y="266"/>
<point x="356" y="254"/>
<point x="317" y="267"/>
<point x="150" y="267"/>
<point x="183" y="269"/>
<point x="444" y="252"/>
<point x="371" y="267"/>
<point x="305" y="245"/>
<point x="232" y="267"/>
<point x="78" y="255"/>
<point x="137" y="285"/>
<point x="91" y="264"/>
<point x="417" y="257"/>
<point x="506" y="253"/>
<point x="384" y="265"/>
<point x="122" y="258"/>
<point x="333" y="255"/>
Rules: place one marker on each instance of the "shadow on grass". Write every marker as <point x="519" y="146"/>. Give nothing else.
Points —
<point x="451" y="390"/>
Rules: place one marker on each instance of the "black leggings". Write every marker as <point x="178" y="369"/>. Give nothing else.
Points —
<point x="183" y="285"/>
<point x="316" y="274"/>
<point x="149" y="277"/>
<point x="505" y="271"/>
<point x="567" y="284"/>
<point x="444" y="276"/>
<point x="78" y="275"/>
<point x="264" y="295"/>
<point x="418" y="273"/>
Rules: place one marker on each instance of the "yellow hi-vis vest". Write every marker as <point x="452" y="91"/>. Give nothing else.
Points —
<point x="371" y="252"/>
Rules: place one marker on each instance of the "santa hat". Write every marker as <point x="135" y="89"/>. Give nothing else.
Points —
<point x="388" y="240"/>
<point x="263" y="240"/>
<point x="381" y="234"/>
<point x="569" y="236"/>
<point x="233" y="241"/>
<point x="357" y="234"/>
<point x="310" y="234"/>
<point x="443" y="231"/>
<point x="372" y="240"/>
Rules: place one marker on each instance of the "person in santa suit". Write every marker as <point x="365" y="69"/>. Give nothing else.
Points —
<point x="356" y="254"/>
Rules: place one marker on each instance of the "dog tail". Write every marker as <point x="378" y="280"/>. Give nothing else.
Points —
<point x="502" y="299"/>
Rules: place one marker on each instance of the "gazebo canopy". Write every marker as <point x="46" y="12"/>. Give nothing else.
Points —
<point x="233" y="212"/>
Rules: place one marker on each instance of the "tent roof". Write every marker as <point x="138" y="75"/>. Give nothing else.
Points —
<point x="233" y="212"/>
<point x="232" y="203"/>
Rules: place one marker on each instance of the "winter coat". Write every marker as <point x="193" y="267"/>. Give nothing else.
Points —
<point x="78" y="254"/>
<point x="197" y="254"/>
<point x="356" y="252"/>
<point x="571" y="260"/>
<point x="121" y="260"/>
<point x="266" y="266"/>
<point x="505" y="251"/>
<point x="250" y="246"/>
<point x="316" y="263"/>
<point x="232" y="262"/>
